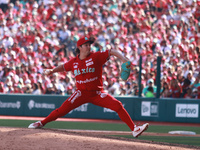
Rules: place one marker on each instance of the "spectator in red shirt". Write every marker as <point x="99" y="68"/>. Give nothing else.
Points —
<point x="2" y="89"/>
<point x="30" y="51"/>
<point x="27" y="17"/>
<point x="175" y="89"/>
<point x="16" y="47"/>
<point x="30" y="37"/>
<point x="161" y="7"/>
<point x="198" y="88"/>
<point x="11" y="10"/>
<point x="17" y="89"/>
<point x="197" y="12"/>
<point x="47" y="53"/>
<point x="50" y="11"/>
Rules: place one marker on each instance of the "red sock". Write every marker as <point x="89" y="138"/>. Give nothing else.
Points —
<point x="124" y="116"/>
<point x="59" y="112"/>
<point x="51" y="117"/>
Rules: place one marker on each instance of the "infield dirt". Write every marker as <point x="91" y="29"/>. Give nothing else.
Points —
<point x="52" y="139"/>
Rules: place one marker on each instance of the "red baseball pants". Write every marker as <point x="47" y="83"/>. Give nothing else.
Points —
<point x="98" y="98"/>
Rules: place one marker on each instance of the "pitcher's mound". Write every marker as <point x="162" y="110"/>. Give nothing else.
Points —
<point x="51" y="139"/>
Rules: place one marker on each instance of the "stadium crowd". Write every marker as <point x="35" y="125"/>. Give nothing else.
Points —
<point x="35" y="35"/>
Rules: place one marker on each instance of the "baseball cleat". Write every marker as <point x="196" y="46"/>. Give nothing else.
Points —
<point x="138" y="130"/>
<point x="35" y="125"/>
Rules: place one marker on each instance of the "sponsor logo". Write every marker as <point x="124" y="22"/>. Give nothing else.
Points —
<point x="78" y="71"/>
<point x="82" y="108"/>
<point x="83" y="71"/>
<point x="75" y="65"/>
<point x="88" y="60"/>
<point x="16" y="104"/>
<point x="149" y="109"/>
<point x="137" y="130"/>
<point x="32" y="104"/>
<point x="74" y="96"/>
<point x="90" y="63"/>
<point x="87" y="80"/>
<point x="108" y="110"/>
<point x="102" y="95"/>
<point x="187" y="110"/>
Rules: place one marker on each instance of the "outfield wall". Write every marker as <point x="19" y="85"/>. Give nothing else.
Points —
<point x="143" y="109"/>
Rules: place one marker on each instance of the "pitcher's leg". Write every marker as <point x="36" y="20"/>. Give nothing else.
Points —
<point x="115" y="105"/>
<point x="75" y="100"/>
<point x="124" y="116"/>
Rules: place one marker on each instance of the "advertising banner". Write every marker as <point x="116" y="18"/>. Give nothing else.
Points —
<point x="149" y="109"/>
<point x="163" y="110"/>
<point x="187" y="110"/>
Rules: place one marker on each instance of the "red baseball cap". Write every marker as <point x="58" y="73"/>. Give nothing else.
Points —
<point x="83" y="40"/>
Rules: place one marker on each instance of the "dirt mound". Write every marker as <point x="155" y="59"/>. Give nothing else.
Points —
<point x="51" y="139"/>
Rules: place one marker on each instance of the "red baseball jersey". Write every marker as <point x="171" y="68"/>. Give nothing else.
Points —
<point x="88" y="72"/>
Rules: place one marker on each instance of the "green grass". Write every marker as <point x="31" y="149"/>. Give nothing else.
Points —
<point x="68" y="125"/>
<point x="172" y="139"/>
<point x="192" y="141"/>
<point x="166" y="129"/>
<point x="117" y="127"/>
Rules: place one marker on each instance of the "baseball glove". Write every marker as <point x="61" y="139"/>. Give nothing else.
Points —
<point x="125" y="70"/>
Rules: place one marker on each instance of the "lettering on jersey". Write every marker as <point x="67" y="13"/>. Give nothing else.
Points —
<point x="74" y="96"/>
<point x="87" y="80"/>
<point x="75" y="65"/>
<point x="77" y="72"/>
<point x="83" y="71"/>
<point x="102" y="95"/>
<point x="89" y="62"/>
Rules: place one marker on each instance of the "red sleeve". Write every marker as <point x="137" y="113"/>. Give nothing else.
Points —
<point x="68" y="66"/>
<point x="102" y="57"/>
